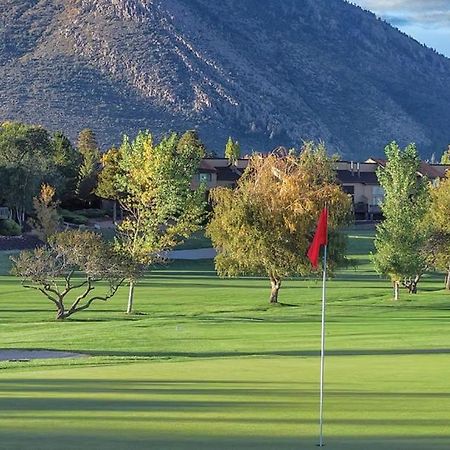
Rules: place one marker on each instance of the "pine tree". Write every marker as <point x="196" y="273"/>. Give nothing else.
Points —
<point x="90" y="152"/>
<point x="232" y="151"/>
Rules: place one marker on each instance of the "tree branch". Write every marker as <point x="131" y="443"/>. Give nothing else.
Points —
<point x="111" y="293"/>
<point x="56" y="302"/>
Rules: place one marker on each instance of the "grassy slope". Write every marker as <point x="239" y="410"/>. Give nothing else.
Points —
<point x="208" y="364"/>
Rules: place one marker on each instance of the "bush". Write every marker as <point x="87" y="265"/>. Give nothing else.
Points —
<point x="91" y="213"/>
<point x="73" y="217"/>
<point x="9" y="228"/>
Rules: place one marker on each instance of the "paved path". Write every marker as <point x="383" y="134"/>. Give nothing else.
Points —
<point x="200" y="253"/>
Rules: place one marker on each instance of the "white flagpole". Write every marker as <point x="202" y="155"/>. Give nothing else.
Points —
<point x="322" y="347"/>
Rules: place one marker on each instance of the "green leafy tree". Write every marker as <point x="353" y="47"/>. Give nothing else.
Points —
<point x="107" y="186"/>
<point x="446" y="156"/>
<point x="190" y="142"/>
<point x="26" y="161"/>
<point x="90" y="164"/>
<point x="67" y="161"/>
<point x="47" y="219"/>
<point x="401" y="237"/>
<point x="438" y="245"/>
<point x="232" y="151"/>
<point x="153" y="187"/>
<point x="265" y="226"/>
<point x="71" y="268"/>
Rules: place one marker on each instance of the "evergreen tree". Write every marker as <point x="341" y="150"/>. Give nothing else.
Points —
<point x="67" y="160"/>
<point x="89" y="168"/>
<point x="232" y="151"/>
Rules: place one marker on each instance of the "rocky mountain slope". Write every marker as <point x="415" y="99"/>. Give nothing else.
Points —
<point x="268" y="72"/>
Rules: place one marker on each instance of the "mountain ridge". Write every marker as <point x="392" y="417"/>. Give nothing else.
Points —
<point x="268" y="73"/>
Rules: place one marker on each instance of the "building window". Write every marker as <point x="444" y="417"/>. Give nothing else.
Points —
<point x="377" y="195"/>
<point x="204" y="177"/>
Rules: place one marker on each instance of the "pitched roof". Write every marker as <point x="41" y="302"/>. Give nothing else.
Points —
<point x="347" y="176"/>
<point x="206" y="167"/>
<point x="425" y="169"/>
<point x="228" y="173"/>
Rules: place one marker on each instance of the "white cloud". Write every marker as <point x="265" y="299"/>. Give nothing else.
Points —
<point x="426" y="20"/>
<point x="419" y="12"/>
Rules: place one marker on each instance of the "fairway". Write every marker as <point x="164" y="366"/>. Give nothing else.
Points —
<point x="208" y="364"/>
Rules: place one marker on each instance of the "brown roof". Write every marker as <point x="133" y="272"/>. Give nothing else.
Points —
<point x="429" y="171"/>
<point x="425" y="169"/>
<point x="206" y="167"/>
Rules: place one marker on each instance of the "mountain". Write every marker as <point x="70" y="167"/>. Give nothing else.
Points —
<point x="267" y="72"/>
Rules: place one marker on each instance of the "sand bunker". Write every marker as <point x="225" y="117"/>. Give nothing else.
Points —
<point x="26" y="355"/>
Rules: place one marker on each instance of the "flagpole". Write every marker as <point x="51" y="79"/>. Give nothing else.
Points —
<point x="322" y="346"/>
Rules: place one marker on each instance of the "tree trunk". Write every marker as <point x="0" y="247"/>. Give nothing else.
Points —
<point x="115" y="212"/>
<point x="60" y="314"/>
<point x="396" y="290"/>
<point x="130" y="297"/>
<point x="276" y="284"/>
<point x="447" y="281"/>
<point x="411" y="284"/>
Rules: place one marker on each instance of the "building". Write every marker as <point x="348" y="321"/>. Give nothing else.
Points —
<point x="358" y="179"/>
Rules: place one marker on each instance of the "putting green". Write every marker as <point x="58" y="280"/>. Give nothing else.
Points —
<point x="208" y="364"/>
<point x="237" y="403"/>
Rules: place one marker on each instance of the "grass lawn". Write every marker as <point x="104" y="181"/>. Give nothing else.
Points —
<point x="208" y="364"/>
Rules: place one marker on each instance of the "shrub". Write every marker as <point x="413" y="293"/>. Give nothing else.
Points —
<point x="73" y="217"/>
<point x="91" y="213"/>
<point x="9" y="228"/>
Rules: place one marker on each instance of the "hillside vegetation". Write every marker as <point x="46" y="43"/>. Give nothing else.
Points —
<point x="267" y="72"/>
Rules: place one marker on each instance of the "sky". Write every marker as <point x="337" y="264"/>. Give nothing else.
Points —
<point x="428" y="21"/>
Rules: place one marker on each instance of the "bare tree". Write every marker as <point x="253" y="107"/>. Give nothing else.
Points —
<point x="71" y="267"/>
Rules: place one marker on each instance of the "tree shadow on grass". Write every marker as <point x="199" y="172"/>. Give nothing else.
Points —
<point x="74" y="440"/>
<point x="256" y="353"/>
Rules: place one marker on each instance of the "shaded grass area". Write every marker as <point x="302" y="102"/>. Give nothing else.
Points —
<point x="208" y="363"/>
<point x="242" y="403"/>
<point x="197" y="240"/>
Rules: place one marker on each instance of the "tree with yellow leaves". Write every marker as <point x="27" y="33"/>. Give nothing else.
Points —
<point x="439" y="242"/>
<point x="47" y="219"/>
<point x="265" y="225"/>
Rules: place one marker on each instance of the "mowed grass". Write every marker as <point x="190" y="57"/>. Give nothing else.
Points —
<point x="208" y="364"/>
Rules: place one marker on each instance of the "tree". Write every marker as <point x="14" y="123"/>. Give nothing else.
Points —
<point x="401" y="237"/>
<point x="90" y="162"/>
<point x="446" y="156"/>
<point x="439" y="242"/>
<point x="47" y="219"/>
<point x="232" y="151"/>
<point x="67" y="160"/>
<point x="265" y="225"/>
<point x="153" y="187"/>
<point x="52" y="270"/>
<point x="26" y="161"/>
<point x="106" y="186"/>
<point x="190" y="142"/>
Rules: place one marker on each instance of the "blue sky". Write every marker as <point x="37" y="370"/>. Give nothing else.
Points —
<point x="428" y="21"/>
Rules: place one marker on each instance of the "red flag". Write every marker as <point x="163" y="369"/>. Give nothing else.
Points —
<point x="320" y="238"/>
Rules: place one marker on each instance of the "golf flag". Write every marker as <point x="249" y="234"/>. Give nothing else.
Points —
<point x="320" y="238"/>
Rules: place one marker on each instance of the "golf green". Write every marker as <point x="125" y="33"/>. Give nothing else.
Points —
<point x="208" y="364"/>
